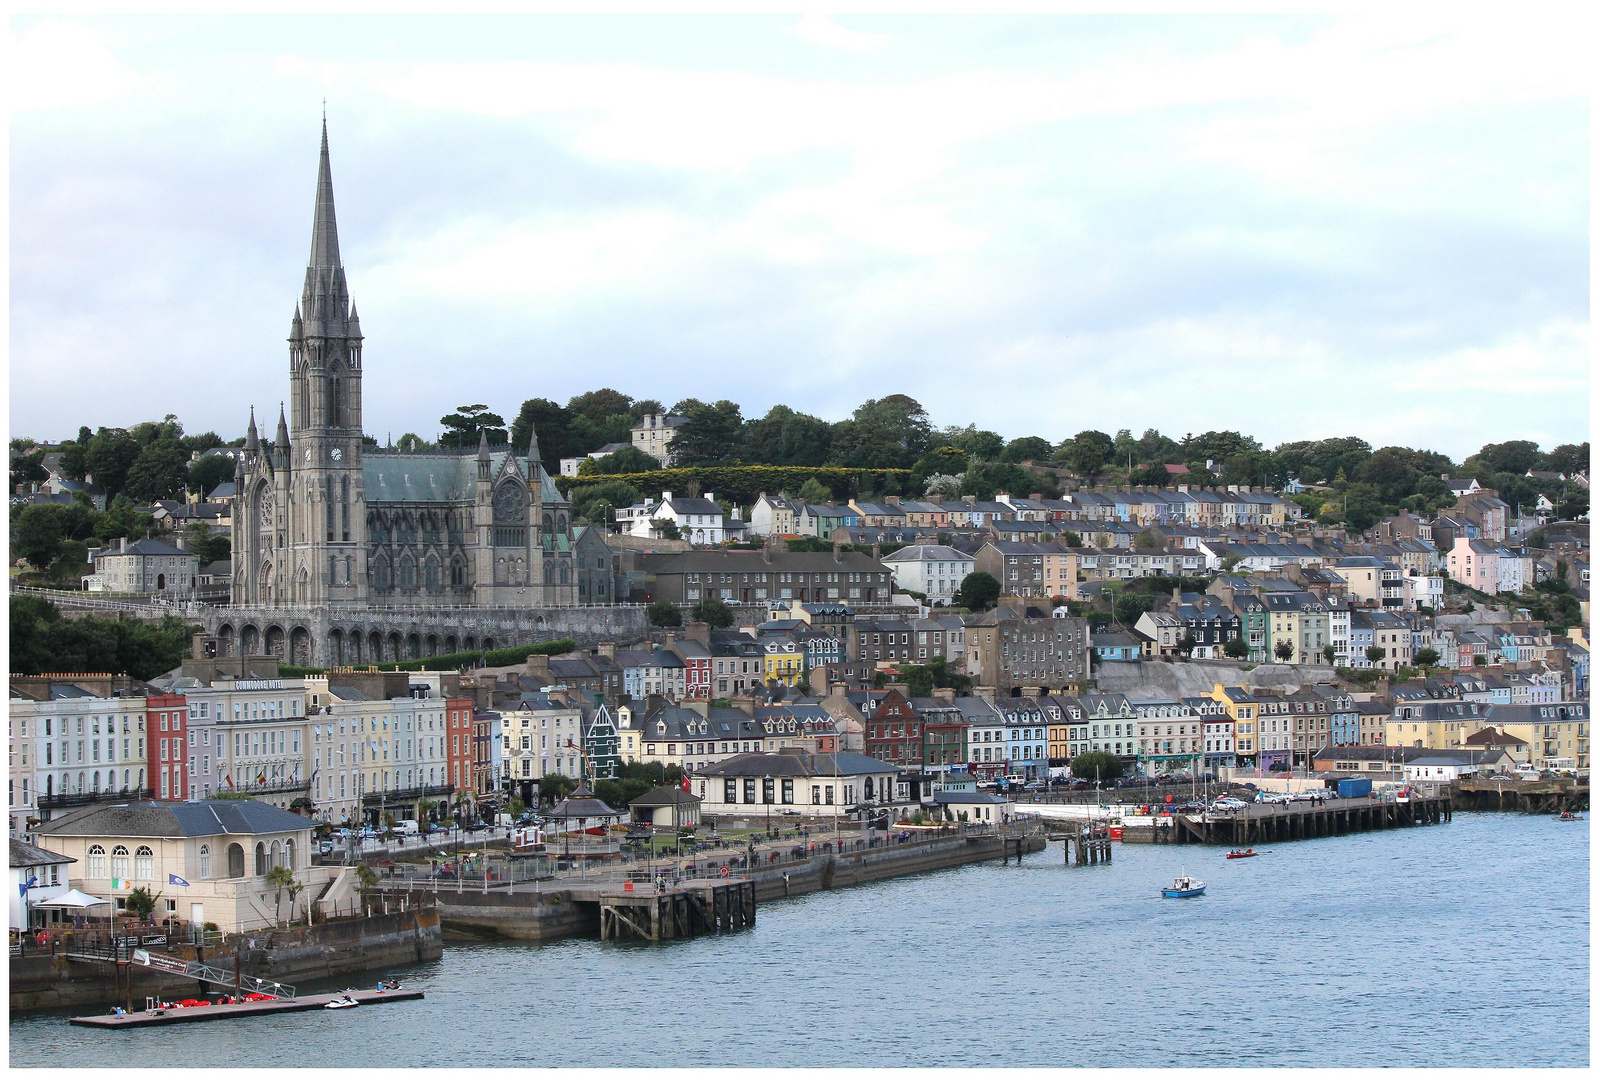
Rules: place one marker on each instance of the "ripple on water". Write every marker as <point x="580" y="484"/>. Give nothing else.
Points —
<point x="1347" y="951"/>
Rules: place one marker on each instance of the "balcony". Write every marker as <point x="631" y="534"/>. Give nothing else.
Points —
<point x="89" y="798"/>
<point x="400" y="795"/>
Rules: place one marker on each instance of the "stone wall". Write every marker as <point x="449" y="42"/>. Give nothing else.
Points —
<point x="1195" y="678"/>
<point x="324" y="951"/>
<point x="326" y="637"/>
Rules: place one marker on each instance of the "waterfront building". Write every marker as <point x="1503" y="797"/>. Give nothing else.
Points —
<point x="222" y="848"/>
<point x="166" y="718"/>
<point x="1171" y="738"/>
<point x="1557" y="735"/>
<point x="1027" y="737"/>
<point x="74" y="747"/>
<point x="987" y="758"/>
<point x="1434" y="725"/>
<point x="1110" y="725"/>
<point x="1241" y="707"/>
<point x="1062" y="712"/>
<point x="36" y="875"/>
<point x="749" y="784"/>
<point x="535" y="735"/>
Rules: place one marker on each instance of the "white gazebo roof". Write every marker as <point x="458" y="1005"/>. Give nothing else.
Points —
<point x="72" y="898"/>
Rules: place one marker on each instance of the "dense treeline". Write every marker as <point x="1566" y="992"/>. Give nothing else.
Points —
<point x="1354" y="483"/>
<point x="43" y="641"/>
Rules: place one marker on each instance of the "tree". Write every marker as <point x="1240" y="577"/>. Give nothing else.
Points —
<point x="1086" y="453"/>
<point x="712" y="610"/>
<point x="161" y="471"/>
<point x="813" y="491"/>
<point x="665" y="529"/>
<point x="942" y="487"/>
<point x="1569" y="458"/>
<point x="411" y="442"/>
<point x="1515" y="457"/>
<point x="599" y="405"/>
<point x="282" y="880"/>
<point x="1187" y="643"/>
<point x="1329" y="652"/>
<point x="1376" y="654"/>
<point x="709" y="434"/>
<point x="465" y="427"/>
<point x="627" y="460"/>
<point x="71" y="561"/>
<point x="978" y="591"/>
<point x="987" y="479"/>
<point x="597" y="503"/>
<point x="972" y="441"/>
<point x="1027" y="448"/>
<point x="142" y="902"/>
<point x="110" y="455"/>
<point x="786" y="437"/>
<point x="551" y="421"/>
<point x="515" y="807"/>
<point x="1236" y="648"/>
<point x="1096" y="765"/>
<point x="1129" y="606"/>
<point x="27" y="467"/>
<point x="1074" y="539"/>
<point x="1426" y="657"/>
<point x="1284" y="651"/>
<point x="1231" y="560"/>
<point x="664" y="612"/>
<point x="553" y="787"/>
<point x="36" y="535"/>
<point x="205" y="473"/>
<point x="1147" y="541"/>
<point x="207" y="547"/>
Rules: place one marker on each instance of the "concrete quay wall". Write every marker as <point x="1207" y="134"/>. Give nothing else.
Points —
<point x="555" y="913"/>
<point x="324" y="951"/>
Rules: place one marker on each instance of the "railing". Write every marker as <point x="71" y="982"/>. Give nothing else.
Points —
<point x="400" y="795"/>
<point x="88" y="798"/>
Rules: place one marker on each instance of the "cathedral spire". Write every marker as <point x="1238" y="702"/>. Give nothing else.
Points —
<point x="533" y="444"/>
<point x="282" y="441"/>
<point x="252" y="441"/>
<point x="324" y="230"/>
<point x="483" y="445"/>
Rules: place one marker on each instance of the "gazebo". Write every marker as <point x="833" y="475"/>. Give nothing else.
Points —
<point x="581" y="811"/>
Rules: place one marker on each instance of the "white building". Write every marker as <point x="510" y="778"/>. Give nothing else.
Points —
<point x="653" y="435"/>
<point x="247" y="735"/>
<point x="700" y="521"/>
<point x="541" y="735"/>
<point x="934" y="570"/>
<point x="78" y="746"/>
<point x="1424" y="590"/>
<point x="144" y="566"/>
<point x="36" y="875"/>
<point x="1171" y="736"/>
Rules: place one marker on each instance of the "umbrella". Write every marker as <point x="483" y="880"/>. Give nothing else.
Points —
<point x="71" y="899"/>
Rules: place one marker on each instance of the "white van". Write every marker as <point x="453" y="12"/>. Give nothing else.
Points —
<point x="406" y="828"/>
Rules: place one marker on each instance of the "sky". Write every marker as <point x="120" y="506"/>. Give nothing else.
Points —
<point x="1295" y="227"/>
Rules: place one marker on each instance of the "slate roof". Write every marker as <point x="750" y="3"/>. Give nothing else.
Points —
<point x="210" y="817"/>
<point x="666" y="795"/>
<point x="436" y="477"/>
<point x="27" y="855"/>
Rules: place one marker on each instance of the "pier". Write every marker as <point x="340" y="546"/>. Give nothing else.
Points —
<point x="1276" y="823"/>
<point x="1529" y="796"/>
<point x="686" y="910"/>
<point x="195" y="1013"/>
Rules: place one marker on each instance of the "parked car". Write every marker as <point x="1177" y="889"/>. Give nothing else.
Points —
<point x="789" y="811"/>
<point x="1034" y="785"/>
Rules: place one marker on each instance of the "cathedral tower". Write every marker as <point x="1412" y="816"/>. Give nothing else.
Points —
<point x="327" y="561"/>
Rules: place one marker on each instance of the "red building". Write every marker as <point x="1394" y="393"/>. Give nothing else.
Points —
<point x="167" y="752"/>
<point x="458" y="725"/>
<point x="894" y="730"/>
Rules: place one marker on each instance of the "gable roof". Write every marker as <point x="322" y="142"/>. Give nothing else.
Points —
<point x="209" y="817"/>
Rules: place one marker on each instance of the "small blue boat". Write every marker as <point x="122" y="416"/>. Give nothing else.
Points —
<point x="1183" y="888"/>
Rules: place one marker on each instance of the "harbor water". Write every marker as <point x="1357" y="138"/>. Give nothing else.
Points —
<point x="1464" y="944"/>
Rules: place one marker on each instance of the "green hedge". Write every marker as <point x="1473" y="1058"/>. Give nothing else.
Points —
<point x="493" y="658"/>
<point x="743" y="483"/>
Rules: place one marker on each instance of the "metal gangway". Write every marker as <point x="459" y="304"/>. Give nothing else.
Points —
<point x="193" y="969"/>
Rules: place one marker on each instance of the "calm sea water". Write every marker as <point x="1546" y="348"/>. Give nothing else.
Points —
<point x="1460" y="945"/>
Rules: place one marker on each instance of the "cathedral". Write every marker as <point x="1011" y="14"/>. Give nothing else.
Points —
<point x="321" y="520"/>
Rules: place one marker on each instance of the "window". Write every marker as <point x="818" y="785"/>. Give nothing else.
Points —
<point x="144" y="864"/>
<point x="97" y="861"/>
<point x="119" y="862"/>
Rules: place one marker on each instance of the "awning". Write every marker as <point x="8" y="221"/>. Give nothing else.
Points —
<point x="72" y="898"/>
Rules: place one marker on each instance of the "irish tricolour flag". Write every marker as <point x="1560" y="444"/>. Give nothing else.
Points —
<point x="121" y="883"/>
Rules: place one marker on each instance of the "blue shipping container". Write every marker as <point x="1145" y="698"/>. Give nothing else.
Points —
<point x="1355" y="788"/>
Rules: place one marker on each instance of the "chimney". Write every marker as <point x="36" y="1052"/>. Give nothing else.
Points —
<point x="608" y="649"/>
<point x="1037" y="496"/>
<point x="698" y="631"/>
<point x="745" y="703"/>
<point x="875" y="550"/>
<point x="945" y="694"/>
<point x="711" y="496"/>
<point x="892" y="500"/>
<point x="666" y="496"/>
<point x="838" y="552"/>
<point x="537" y="666"/>
<point x="1031" y="692"/>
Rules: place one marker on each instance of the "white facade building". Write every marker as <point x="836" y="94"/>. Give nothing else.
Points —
<point x="934" y="570"/>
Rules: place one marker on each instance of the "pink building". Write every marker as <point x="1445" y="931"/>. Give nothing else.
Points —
<point x="1475" y="564"/>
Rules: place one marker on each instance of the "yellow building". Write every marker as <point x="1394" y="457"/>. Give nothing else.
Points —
<point x="1061" y="574"/>
<point x="1242" y="707"/>
<point x="1557" y="734"/>
<point x="785" y="659"/>
<point x="1434" y="725"/>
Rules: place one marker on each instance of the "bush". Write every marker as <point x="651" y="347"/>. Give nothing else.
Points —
<point x="744" y="483"/>
<point x="664" y="612"/>
<point x="1087" y="766"/>
<point x="514" y="654"/>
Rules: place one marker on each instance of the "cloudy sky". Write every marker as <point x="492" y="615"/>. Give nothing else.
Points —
<point x="1294" y="227"/>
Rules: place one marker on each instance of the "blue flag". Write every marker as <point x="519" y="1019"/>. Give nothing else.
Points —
<point x="174" y="879"/>
<point x="26" y="885"/>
